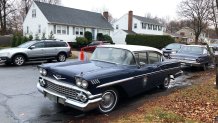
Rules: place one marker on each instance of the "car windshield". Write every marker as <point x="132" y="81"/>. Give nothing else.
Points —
<point x="191" y="50"/>
<point x="173" y="46"/>
<point x="113" y="55"/>
<point x="27" y="44"/>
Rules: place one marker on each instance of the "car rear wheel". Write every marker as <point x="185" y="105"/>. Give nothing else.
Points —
<point x="109" y="101"/>
<point x="18" y="60"/>
<point x="166" y="83"/>
<point x="61" y="57"/>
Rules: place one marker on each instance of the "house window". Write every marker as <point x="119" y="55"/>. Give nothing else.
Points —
<point x="58" y="29"/>
<point x="144" y="25"/>
<point x="117" y="26"/>
<point x="27" y="30"/>
<point x="64" y="30"/>
<point x="77" y="31"/>
<point x="34" y="13"/>
<point x="150" y="26"/>
<point x="81" y="31"/>
<point x="159" y="28"/>
<point x="39" y="30"/>
<point x="135" y="26"/>
<point x="154" y="27"/>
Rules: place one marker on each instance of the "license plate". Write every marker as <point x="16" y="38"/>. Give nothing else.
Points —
<point x="52" y="97"/>
<point x="55" y="98"/>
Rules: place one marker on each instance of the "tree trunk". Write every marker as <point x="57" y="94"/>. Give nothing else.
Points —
<point x="196" y="39"/>
<point x="4" y="17"/>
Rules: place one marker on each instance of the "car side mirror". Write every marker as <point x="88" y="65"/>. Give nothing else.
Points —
<point x="32" y="47"/>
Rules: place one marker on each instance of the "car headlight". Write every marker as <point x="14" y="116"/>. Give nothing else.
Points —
<point x="84" y="84"/>
<point x="173" y="52"/>
<point x="43" y="71"/>
<point x="81" y="83"/>
<point x="78" y="82"/>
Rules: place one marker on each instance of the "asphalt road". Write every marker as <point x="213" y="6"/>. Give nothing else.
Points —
<point x="20" y="102"/>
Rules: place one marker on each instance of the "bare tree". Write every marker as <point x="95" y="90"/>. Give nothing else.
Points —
<point x="198" y="13"/>
<point x="6" y="8"/>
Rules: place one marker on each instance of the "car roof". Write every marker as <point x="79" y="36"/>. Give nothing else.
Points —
<point x="133" y="48"/>
<point x="196" y="45"/>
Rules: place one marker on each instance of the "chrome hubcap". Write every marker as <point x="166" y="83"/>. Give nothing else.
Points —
<point x="62" y="58"/>
<point x="166" y="82"/>
<point x="19" y="60"/>
<point x="107" y="100"/>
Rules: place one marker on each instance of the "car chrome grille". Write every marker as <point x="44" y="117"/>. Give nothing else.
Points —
<point x="68" y="92"/>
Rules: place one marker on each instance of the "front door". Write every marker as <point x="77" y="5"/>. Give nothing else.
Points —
<point x="37" y="51"/>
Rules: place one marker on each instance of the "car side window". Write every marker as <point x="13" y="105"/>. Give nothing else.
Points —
<point x="50" y="44"/>
<point x="154" y="57"/>
<point x="39" y="45"/>
<point x="141" y="57"/>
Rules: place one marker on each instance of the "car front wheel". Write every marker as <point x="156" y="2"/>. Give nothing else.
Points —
<point x="19" y="60"/>
<point x="166" y="83"/>
<point x="61" y="57"/>
<point x="109" y="101"/>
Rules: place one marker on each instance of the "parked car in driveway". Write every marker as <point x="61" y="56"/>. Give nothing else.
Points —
<point x="193" y="55"/>
<point x="92" y="46"/>
<point x="113" y="71"/>
<point x="36" y="50"/>
<point x="171" y="49"/>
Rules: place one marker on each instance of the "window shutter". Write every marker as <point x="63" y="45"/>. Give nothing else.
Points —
<point x="67" y="30"/>
<point x="73" y="30"/>
<point x="54" y="29"/>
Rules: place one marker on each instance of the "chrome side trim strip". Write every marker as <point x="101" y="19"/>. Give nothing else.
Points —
<point x="115" y="82"/>
<point x="134" y="77"/>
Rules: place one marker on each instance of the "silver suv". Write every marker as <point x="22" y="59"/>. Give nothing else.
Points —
<point x="36" y="50"/>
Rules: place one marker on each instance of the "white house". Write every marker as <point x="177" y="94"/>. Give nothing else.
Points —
<point x="65" y="23"/>
<point x="133" y="24"/>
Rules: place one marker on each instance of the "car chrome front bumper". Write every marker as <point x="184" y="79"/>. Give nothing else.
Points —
<point x="92" y="103"/>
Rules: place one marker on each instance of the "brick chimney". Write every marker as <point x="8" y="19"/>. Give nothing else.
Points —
<point x="130" y="15"/>
<point x="106" y="15"/>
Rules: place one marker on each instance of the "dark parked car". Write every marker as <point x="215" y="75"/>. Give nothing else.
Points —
<point x="193" y="55"/>
<point x="92" y="46"/>
<point x="112" y="72"/>
<point x="171" y="49"/>
<point x="36" y="50"/>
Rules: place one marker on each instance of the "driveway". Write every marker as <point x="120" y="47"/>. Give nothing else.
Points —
<point x="21" y="102"/>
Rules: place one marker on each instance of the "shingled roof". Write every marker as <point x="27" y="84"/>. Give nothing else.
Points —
<point x="147" y="20"/>
<point x="69" y="16"/>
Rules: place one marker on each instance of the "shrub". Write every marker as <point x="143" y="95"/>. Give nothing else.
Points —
<point x="81" y="41"/>
<point x="14" y="40"/>
<point x="108" y="38"/>
<point x="88" y="36"/>
<point x="100" y="37"/>
<point x="36" y="37"/>
<point x="30" y="37"/>
<point x="43" y="36"/>
<point x="157" y="41"/>
<point x="19" y="40"/>
<point x="51" y="36"/>
<point x="25" y="39"/>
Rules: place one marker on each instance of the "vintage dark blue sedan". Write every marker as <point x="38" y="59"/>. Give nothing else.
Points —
<point x="193" y="55"/>
<point x="113" y="71"/>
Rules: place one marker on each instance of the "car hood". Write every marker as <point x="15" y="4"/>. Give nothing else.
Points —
<point x="88" y="70"/>
<point x="185" y="56"/>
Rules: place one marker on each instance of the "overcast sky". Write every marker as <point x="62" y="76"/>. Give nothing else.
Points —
<point x="160" y="8"/>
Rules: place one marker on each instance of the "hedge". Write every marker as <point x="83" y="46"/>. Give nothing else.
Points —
<point x="157" y="41"/>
